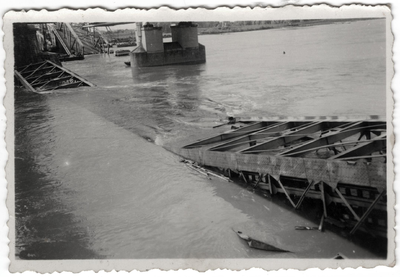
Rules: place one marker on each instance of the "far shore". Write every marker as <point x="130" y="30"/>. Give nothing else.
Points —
<point x="276" y="25"/>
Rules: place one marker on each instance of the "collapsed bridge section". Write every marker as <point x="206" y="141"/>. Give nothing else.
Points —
<point x="48" y="76"/>
<point x="342" y="164"/>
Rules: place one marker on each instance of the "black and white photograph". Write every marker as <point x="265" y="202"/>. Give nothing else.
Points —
<point x="254" y="137"/>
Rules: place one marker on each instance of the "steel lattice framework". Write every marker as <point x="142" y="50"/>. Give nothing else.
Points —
<point x="341" y="162"/>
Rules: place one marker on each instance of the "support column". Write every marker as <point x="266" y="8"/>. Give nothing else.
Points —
<point x="287" y="194"/>
<point x="139" y="35"/>
<point x="322" y="189"/>
<point x="366" y="214"/>
<point x="304" y="194"/>
<point x="271" y="186"/>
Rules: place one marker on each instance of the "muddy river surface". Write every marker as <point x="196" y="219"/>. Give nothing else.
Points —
<point x="94" y="181"/>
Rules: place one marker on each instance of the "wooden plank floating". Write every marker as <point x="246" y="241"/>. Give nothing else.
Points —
<point x="340" y="163"/>
<point x="48" y="76"/>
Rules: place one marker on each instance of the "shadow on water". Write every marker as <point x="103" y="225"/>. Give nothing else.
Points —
<point x="42" y="218"/>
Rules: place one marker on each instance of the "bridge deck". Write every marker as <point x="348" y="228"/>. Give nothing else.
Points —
<point x="342" y="162"/>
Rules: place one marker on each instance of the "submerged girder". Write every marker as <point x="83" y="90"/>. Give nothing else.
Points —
<point x="48" y="76"/>
<point x="341" y="163"/>
<point x="339" y="139"/>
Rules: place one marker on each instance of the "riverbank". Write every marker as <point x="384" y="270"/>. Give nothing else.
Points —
<point x="233" y="27"/>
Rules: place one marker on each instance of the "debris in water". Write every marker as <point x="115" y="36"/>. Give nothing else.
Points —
<point x="203" y="171"/>
<point x="231" y="120"/>
<point x="305" y="228"/>
<point x="258" y="244"/>
<point x="119" y="53"/>
<point x="339" y="256"/>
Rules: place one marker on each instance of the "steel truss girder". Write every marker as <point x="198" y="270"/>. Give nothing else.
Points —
<point x="328" y="139"/>
<point x="323" y="197"/>
<point x="293" y="135"/>
<point x="226" y="136"/>
<point x="310" y="193"/>
<point x="365" y="148"/>
<point x="367" y="212"/>
<point x="260" y="134"/>
<point x="37" y="83"/>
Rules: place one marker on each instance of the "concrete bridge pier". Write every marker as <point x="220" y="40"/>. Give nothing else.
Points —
<point x="152" y="51"/>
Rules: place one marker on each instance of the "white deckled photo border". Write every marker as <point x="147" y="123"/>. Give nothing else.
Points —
<point x="200" y="14"/>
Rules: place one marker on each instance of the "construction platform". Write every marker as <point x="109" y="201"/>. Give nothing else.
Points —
<point x="340" y="164"/>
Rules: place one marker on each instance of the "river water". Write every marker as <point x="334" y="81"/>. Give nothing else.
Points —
<point x="92" y="177"/>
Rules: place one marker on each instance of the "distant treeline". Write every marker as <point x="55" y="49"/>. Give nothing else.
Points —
<point x="214" y="24"/>
<point x="166" y="25"/>
<point x="120" y="35"/>
<point x="216" y="27"/>
<point x="210" y="27"/>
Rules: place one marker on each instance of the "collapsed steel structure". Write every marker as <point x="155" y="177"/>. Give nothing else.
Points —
<point x="47" y="76"/>
<point x="341" y="163"/>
